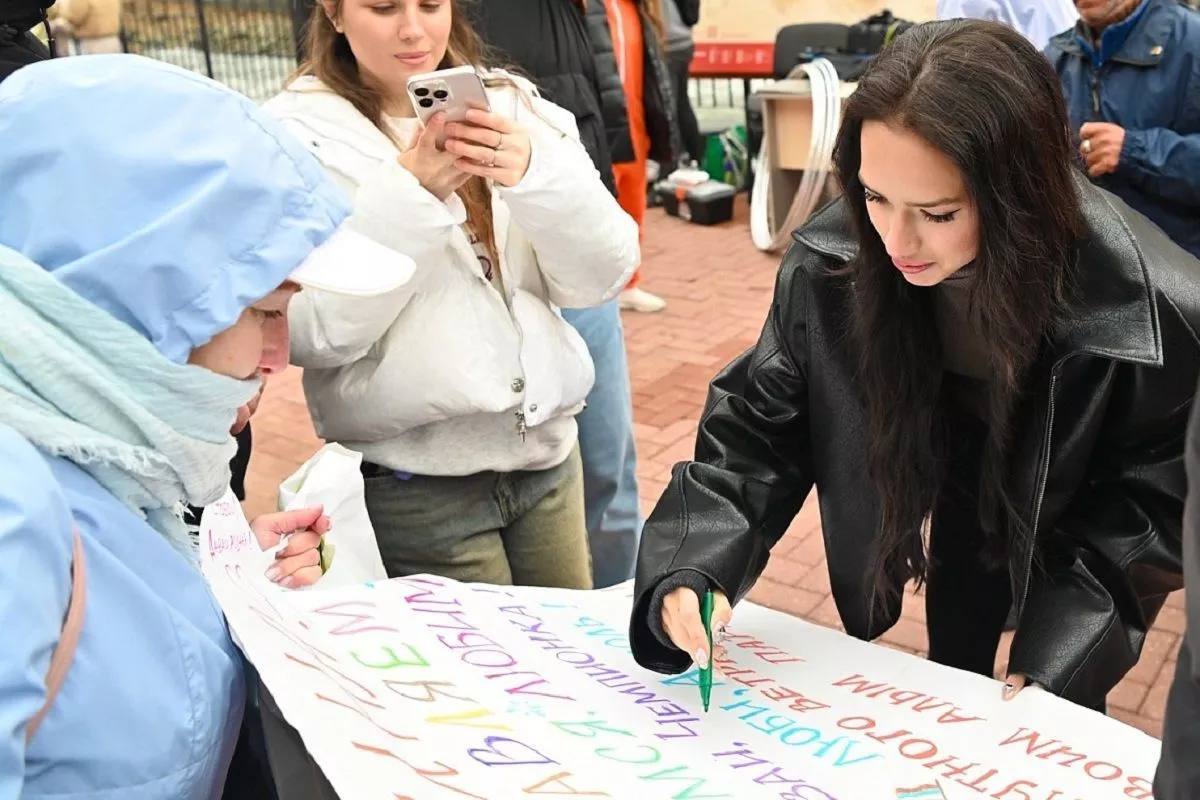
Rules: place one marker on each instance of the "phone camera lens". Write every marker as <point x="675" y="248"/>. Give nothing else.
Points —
<point x="421" y="91"/>
<point x="425" y="102"/>
<point x="441" y="94"/>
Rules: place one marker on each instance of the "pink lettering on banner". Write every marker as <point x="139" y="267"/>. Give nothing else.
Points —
<point x="919" y="702"/>
<point x="225" y="527"/>
<point x="477" y="650"/>
<point x="358" y="615"/>
<point x="1058" y="752"/>
<point x="762" y="650"/>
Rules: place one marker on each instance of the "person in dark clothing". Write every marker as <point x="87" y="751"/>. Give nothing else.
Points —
<point x="1130" y="71"/>
<point x="678" y="18"/>
<point x="19" y="47"/>
<point x="1178" y="775"/>
<point x="976" y="338"/>
<point x="548" y="41"/>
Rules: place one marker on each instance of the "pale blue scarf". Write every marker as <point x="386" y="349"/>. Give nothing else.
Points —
<point x="79" y="384"/>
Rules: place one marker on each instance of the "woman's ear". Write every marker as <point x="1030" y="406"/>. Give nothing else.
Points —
<point x="331" y="12"/>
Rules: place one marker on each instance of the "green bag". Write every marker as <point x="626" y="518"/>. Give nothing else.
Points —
<point x="727" y="156"/>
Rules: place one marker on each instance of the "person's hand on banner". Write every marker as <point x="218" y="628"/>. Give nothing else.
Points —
<point x="298" y="563"/>
<point x="1014" y="683"/>
<point x="681" y="621"/>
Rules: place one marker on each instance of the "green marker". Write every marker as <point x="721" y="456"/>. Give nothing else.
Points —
<point x="706" y="611"/>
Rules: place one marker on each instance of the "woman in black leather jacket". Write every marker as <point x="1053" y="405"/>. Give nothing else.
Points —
<point x="983" y="363"/>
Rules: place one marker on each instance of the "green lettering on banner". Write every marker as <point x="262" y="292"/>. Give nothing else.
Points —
<point x="680" y="774"/>
<point x="393" y="660"/>
<point x="650" y="755"/>
<point x="589" y="728"/>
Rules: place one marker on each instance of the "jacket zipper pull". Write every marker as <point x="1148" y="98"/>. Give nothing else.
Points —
<point x="521" y="428"/>
<point x="1096" y="94"/>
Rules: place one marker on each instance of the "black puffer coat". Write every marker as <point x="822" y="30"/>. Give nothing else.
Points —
<point x="548" y="41"/>
<point x="661" y="122"/>
<point x="1096" y="466"/>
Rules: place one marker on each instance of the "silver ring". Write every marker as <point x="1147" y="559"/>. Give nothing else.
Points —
<point x="1086" y="147"/>
<point x="492" y="163"/>
<point x="499" y="142"/>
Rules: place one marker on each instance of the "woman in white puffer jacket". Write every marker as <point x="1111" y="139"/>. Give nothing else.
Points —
<point x="461" y="389"/>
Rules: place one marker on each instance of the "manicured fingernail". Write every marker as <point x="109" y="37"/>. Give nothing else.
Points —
<point x="289" y="582"/>
<point x="701" y="658"/>
<point x="273" y="572"/>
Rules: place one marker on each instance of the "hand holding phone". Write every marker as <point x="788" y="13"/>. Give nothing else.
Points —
<point x="434" y="168"/>
<point x="486" y="144"/>
<point x="491" y="146"/>
<point x="452" y="92"/>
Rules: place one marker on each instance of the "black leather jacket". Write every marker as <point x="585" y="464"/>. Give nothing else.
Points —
<point x="1096" y="464"/>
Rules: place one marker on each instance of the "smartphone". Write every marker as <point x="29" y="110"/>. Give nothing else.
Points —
<point x="453" y="91"/>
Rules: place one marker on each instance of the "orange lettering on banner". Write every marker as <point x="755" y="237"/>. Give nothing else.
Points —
<point x="443" y="770"/>
<point x="561" y="780"/>
<point x="326" y="672"/>
<point x="431" y="690"/>
<point x="365" y="716"/>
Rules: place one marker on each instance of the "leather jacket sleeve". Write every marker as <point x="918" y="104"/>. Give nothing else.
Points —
<point x="721" y="513"/>
<point x="1112" y="556"/>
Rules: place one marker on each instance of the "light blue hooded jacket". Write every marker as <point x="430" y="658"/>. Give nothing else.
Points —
<point x="173" y="204"/>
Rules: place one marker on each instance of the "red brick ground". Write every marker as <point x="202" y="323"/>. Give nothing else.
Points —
<point x="718" y="288"/>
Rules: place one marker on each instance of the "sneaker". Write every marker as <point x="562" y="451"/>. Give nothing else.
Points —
<point x="640" y="300"/>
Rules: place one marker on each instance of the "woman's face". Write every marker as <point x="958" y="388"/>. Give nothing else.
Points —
<point x="393" y="40"/>
<point x="256" y="345"/>
<point x="918" y="203"/>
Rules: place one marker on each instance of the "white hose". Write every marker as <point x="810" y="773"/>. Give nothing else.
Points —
<point x="824" y="87"/>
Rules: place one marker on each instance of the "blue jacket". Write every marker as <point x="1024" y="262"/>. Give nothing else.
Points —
<point x="173" y="204"/>
<point x="1145" y="78"/>
<point x="151" y="705"/>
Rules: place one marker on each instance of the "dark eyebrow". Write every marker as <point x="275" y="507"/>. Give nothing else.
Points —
<point x="940" y="202"/>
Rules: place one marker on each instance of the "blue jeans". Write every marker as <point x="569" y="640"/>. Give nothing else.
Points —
<point x="606" y="444"/>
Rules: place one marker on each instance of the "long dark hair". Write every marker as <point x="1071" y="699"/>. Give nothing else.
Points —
<point x="982" y="95"/>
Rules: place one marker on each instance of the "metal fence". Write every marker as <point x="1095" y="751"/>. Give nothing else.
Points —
<point x="249" y="45"/>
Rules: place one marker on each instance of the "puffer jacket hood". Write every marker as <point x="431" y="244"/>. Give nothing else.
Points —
<point x="175" y="208"/>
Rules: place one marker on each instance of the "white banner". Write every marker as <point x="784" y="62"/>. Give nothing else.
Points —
<point x="426" y="688"/>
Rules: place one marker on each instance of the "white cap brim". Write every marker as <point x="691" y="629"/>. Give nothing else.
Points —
<point x="353" y="264"/>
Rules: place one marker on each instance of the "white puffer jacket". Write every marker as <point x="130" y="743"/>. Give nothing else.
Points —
<point x="442" y="378"/>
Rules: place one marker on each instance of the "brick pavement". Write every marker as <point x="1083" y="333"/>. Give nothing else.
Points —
<point x="718" y="287"/>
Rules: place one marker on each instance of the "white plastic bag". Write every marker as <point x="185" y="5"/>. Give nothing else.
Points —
<point x="331" y="478"/>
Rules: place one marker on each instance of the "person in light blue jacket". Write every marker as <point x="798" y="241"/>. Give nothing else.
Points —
<point x="153" y="227"/>
<point x="1036" y="20"/>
